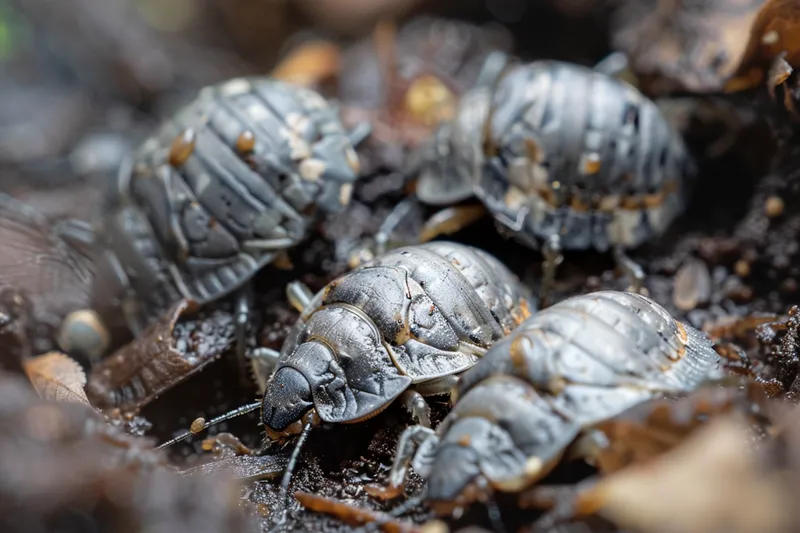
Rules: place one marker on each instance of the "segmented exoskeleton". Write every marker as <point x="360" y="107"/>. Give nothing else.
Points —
<point x="562" y="155"/>
<point x="572" y="365"/>
<point x="230" y="181"/>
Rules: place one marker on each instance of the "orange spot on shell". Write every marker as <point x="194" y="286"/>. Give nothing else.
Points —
<point x="182" y="147"/>
<point x="245" y="142"/>
<point x="592" y="164"/>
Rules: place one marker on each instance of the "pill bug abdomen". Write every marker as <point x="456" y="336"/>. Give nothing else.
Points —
<point x="597" y="353"/>
<point x="581" y="155"/>
<point x="479" y="297"/>
<point x="223" y="186"/>
<point x="440" y="301"/>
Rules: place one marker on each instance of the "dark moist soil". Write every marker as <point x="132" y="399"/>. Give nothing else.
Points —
<point x="750" y="259"/>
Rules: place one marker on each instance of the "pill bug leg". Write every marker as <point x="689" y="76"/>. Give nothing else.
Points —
<point x="359" y="133"/>
<point x="630" y="268"/>
<point x="392" y="222"/>
<point x="242" y="313"/>
<point x="299" y="295"/>
<point x="417" y="443"/>
<point x="414" y="399"/>
<point x="444" y="222"/>
<point x="614" y="64"/>
<point x="417" y="406"/>
<point x="367" y="251"/>
<point x="437" y="387"/>
<point x="263" y="362"/>
<point x="551" y="250"/>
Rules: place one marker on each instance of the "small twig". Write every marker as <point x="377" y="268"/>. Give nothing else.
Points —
<point x="353" y="516"/>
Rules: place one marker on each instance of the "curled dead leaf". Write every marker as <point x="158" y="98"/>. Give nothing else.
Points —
<point x="178" y="345"/>
<point x="774" y="31"/>
<point x="56" y="377"/>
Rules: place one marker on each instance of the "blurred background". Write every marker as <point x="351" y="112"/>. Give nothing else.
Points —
<point x="83" y="81"/>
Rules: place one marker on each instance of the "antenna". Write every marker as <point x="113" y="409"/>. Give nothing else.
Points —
<point x="287" y="475"/>
<point x="239" y="411"/>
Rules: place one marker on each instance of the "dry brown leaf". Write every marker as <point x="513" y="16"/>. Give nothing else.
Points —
<point x="712" y="483"/>
<point x="57" y="377"/>
<point x="776" y="29"/>
<point x="171" y="350"/>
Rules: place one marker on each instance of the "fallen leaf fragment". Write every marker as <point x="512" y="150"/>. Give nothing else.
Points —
<point x="776" y="29"/>
<point x="57" y="377"/>
<point x="179" y="345"/>
<point x="353" y="516"/>
<point x="712" y="483"/>
<point x="309" y="64"/>
<point x="652" y="428"/>
<point x="684" y="46"/>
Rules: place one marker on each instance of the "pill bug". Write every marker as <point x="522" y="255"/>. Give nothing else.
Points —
<point x="224" y="186"/>
<point x="572" y="365"/>
<point x="564" y="157"/>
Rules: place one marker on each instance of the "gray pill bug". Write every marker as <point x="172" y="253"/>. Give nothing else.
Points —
<point x="572" y="365"/>
<point x="398" y="328"/>
<point x="563" y="156"/>
<point x="229" y="182"/>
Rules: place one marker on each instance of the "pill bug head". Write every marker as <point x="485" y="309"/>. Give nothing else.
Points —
<point x="475" y="458"/>
<point x="288" y="396"/>
<point x="294" y="400"/>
